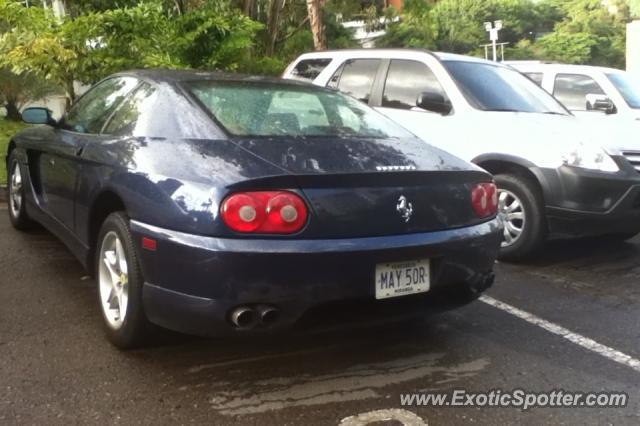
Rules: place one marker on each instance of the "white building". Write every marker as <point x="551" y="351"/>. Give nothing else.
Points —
<point x="364" y="37"/>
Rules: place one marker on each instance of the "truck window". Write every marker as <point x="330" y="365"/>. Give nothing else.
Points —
<point x="405" y="81"/>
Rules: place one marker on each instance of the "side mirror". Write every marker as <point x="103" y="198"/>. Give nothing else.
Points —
<point x="435" y="102"/>
<point x="37" y="115"/>
<point x="600" y="103"/>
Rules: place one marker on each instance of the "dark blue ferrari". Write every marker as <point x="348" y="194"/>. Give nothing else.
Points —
<point x="209" y="203"/>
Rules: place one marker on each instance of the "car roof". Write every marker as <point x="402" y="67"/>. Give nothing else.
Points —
<point x="531" y="66"/>
<point x="368" y="52"/>
<point x="362" y="51"/>
<point x="178" y="76"/>
<point x="445" y="56"/>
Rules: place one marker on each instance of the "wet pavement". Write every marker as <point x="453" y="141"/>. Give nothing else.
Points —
<point x="572" y="316"/>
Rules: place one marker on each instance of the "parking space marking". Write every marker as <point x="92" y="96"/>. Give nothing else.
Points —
<point x="582" y="341"/>
<point x="407" y="418"/>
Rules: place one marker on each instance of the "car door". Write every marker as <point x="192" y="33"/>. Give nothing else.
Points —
<point x="58" y="162"/>
<point x="113" y="148"/>
<point x="403" y="81"/>
<point x="356" y="77"/>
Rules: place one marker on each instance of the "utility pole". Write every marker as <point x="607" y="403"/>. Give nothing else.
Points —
<point x="493" y="29"/>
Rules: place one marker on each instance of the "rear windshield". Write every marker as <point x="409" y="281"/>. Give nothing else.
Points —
<point x="258" y="109"/>
<point x="628" y="87"/>
<point x="494" y="88"/>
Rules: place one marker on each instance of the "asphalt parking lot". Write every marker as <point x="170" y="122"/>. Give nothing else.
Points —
<point x="570" y="322"/>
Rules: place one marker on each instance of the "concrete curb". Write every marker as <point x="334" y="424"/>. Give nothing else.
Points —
<point x="3" y="194"/>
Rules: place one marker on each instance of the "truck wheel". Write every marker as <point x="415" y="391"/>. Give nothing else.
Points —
<point x="521" y="209"/>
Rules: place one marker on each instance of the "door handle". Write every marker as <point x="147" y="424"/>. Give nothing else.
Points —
<point x="78" y="151"/>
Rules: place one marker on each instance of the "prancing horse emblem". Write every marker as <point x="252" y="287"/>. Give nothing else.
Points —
<point x="405" y="208"/>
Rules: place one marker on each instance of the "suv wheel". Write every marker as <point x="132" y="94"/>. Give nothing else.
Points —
<point x="521" y="209"/>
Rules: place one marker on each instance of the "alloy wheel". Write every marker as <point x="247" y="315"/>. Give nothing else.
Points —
<point x="15" y="190"/>
<point x="513" y="216"/>
<point x="113" y="280"/>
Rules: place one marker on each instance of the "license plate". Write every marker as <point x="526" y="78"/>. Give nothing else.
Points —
<point x="402" y="278"/>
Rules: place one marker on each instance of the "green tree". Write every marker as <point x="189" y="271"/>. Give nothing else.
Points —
<point x="414" y="29"/>
<point x="459" y="24"/>
<point x="589" y="34"/>
<point x="95" y="44"/>
<point x="31" y="41"/>
<point x="548" y="14"/>
<point x="16" y="90"/>
<point x="214" y="39"/>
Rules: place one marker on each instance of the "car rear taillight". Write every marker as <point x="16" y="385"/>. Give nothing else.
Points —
<point x="265" y="212"/>
<point x="484" y="198"/>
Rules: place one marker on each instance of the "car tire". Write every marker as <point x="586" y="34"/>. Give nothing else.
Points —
<point x="533" y="226"/>
<point x="16" y="195"/>
<point x="120" y="281"/>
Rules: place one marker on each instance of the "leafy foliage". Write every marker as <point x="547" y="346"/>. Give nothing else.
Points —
<point x="459" y="23"/>
<point x="209" y="39"/>
<point x="33" y="42"/>
<point x="573" y="31"/>
<point x="415" y="29"/>
<point x="100" y="37"/>
<point x="589" y="33"/>
<point x="7" y="130"/>
<point x="18" y="89"/>
<point x="97" y="44"/>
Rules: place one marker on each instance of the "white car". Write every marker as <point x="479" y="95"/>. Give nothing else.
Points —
<point x="586" y="90"/>
<point x="556" y="176"/>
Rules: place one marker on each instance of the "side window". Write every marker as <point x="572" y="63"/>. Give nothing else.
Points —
<point x="92" y="110"/>
<point x="309" y="69"/>
<point x="356" y="78"/>
<point x="405" y="81"/>
<point x="572" y="90"/>
<point x="131" y="116"/>
<point x="536" y="77"/>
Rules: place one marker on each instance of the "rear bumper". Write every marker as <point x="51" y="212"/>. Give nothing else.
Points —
<point x="194" y="282"/>
<point x="586" y="203"/>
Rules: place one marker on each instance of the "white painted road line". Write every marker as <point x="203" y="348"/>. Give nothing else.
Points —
<point x="582" y="341"/>
<point x="407" y="418"/>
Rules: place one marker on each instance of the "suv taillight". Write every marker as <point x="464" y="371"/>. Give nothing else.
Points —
<point x="264" y="212"/>
<point x="484" y="198"/>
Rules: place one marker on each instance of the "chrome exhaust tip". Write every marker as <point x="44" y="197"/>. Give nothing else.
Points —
<point x="243" y="317"/>
<point x="268" y="314"/>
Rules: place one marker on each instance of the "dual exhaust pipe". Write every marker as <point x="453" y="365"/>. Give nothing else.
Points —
<point x="246" y="317"/>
